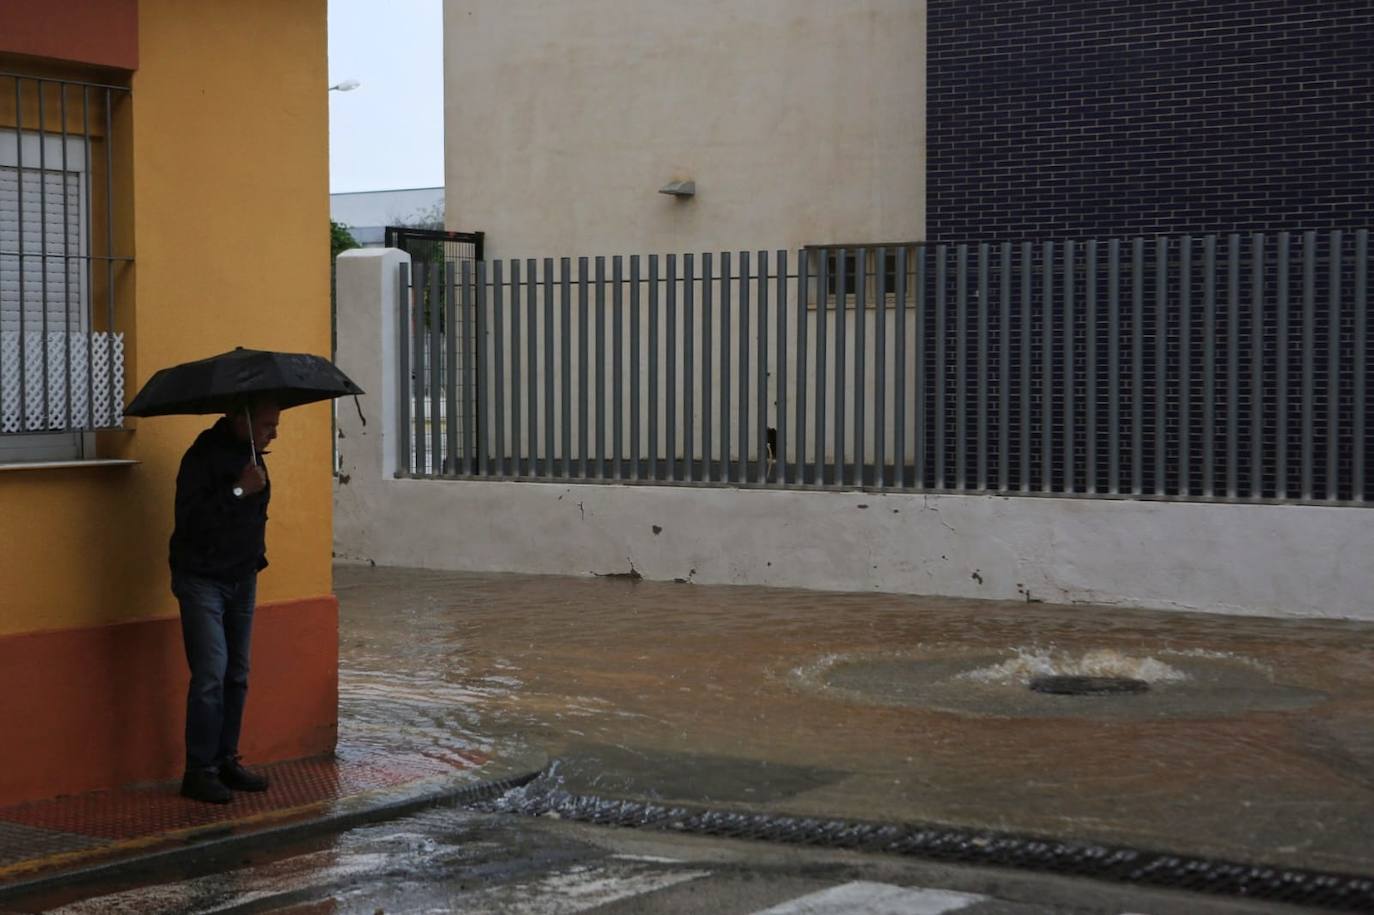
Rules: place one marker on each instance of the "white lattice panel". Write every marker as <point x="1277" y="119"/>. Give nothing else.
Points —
<point x="85" y="381"/>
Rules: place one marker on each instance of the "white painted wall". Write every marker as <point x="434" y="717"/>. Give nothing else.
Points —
<point x="801" y="122"/>
<point x="1272" y="560"/>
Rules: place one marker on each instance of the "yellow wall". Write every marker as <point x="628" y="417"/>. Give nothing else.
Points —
<point x="229" y="178"/>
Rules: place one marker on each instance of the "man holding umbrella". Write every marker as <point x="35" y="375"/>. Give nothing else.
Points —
<point x="217" y="549"/>
<point x="218" y="545"/>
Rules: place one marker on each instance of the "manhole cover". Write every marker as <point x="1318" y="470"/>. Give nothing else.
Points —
<point x="1088" y="686"/>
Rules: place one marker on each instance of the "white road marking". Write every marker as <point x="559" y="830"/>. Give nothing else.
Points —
<point x="576" y="889"/>
<point x="865" y="898"/>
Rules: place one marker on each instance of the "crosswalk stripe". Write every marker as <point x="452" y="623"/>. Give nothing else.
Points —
<point x="865" y="898"/>
<point x="577" y="889"/>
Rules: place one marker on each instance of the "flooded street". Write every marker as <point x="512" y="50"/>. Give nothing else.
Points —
<point x="1249" y="742"/>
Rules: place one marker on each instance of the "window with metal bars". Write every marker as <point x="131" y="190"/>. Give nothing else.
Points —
<point x="61" y="270"/>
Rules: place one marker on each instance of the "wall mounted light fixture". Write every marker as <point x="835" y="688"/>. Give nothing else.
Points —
<point x="686" y="188"/>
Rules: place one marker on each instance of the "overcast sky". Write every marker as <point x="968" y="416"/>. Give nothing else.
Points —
<point x="389" y="132"/>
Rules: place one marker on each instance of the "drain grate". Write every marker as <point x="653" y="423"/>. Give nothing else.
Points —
<point x="1103" y="862"/>
<point x="1063" y="685"/>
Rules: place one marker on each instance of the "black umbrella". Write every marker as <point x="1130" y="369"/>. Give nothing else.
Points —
<point x="231" y="380"/>
<point x="228" y="381"/>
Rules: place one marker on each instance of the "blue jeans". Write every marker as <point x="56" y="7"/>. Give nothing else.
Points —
<point x="217" y="628"/>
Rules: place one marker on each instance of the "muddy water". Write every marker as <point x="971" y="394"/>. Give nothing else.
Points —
<point x="1254" y="741"/>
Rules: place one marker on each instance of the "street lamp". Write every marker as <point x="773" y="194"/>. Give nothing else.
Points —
<point x="347" y="85"/>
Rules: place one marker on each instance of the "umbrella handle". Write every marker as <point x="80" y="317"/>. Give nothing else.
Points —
<point x="252" y="445"/>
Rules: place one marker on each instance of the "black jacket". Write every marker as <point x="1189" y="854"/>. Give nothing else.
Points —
<point x="218" y="535"/>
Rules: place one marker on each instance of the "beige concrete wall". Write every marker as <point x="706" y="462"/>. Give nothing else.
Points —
<point x="801" y="121"/>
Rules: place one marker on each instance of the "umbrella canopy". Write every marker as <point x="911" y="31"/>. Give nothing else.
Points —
<point x="227" y="381"/>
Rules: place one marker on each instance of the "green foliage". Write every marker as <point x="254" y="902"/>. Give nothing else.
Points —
<point x="340" y="239"/>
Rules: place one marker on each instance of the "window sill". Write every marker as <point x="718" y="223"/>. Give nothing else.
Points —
<point x="67" y="465"/>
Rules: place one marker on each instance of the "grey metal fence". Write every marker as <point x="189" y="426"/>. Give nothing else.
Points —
<point x="1198" y="367"/>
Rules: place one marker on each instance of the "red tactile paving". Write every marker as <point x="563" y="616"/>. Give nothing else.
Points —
<point x="131" y="813"/>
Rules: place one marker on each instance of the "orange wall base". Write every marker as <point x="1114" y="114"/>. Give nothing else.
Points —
<point x="98" y="707"/>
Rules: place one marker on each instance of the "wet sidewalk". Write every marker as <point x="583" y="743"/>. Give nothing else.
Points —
<point x="1250" y="742"/>
<point x="48" y="840"/>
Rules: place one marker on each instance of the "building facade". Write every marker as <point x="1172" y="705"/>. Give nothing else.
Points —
<point x="167" y="166"/>
<point x="797" y="122"/>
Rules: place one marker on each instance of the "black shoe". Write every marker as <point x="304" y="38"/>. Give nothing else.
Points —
<point x="204" y="785"/>
<point x="235" y="776"/>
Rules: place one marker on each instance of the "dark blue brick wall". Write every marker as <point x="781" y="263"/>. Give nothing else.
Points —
<point x="1076" y="118"/>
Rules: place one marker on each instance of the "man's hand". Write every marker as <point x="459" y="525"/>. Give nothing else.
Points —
<point x="252" y="479"/>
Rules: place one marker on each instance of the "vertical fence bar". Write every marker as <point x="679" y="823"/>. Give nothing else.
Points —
<point x="636" y="370"/>
<point x="822" y="293"/>
<point x="565" y="303"/>
<point x="1067" y="282"/>
<point x="961" y="367"/>
<point x="707" y="365"/>
<point x="403" y="440"/>
<point x="1161" y="473"/>
<point x="1232" y="364"/>
<point x="984" y="252"/>
<point x="880" y="370"/>
<point x="601" y="400"/>
<point x="469" y="370"/>
<point x="550" y="438"/>
<point x="761" y="385"/>
<point x="1333" y="367"/>
<point x="498" y="375"/>
<point x="1047" y="368"/>
<point x="583" y="364"/>
<point x="1027" y="256"/>
<point x="485" y="382"/>
<point x="1091" y="444"/>
<point x="689" y="378"/>
<point x="841" y="326"/>
<point x="417" y="342"/>
<point x="860" y="362"/>
<point x="744" y="377"/>
<point x="780" y="451"/>
<point x="670" y="383"/>
<point x="1309" y="339"/>
<point x="1004" y="373"/>
<point x="531" y="366"/>
<point x="453" y="409"/>
<point x="941" y="280"/>
<point x="822" y="334"/>
<point x="727" y="470"/>
<point x="1137" y="365"/>
<point x="1257" y="365"/>
<point x="1114" y="366"/>
<point x="436" y="442"/>
<point x="618" y="370"/>
<point x="899" y="375"/>
<point x="653" y="391"/>
<point x="803" y="262"/>
<point x="1185" y="363"/>
<point x="516" y="395"/>
<point x="1281" y="468"/>
<point x="1361" y="303"/>
<point x="1209" y="364"/>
